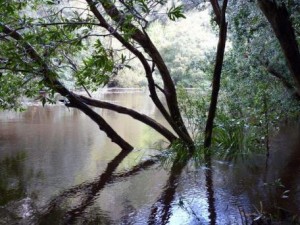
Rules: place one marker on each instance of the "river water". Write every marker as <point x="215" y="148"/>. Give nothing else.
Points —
<point x="57" y="167"/>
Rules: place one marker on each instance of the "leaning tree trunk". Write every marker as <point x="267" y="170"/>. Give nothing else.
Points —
<point x="278" y="17"/>
<point x="50" y="80"/>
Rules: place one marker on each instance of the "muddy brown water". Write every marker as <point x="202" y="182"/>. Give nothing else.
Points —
<point x="57" y="167"/>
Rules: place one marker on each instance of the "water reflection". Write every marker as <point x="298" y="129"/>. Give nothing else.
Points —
<point x="12" y="184"/>
<point x="89" y="191"/>
<point x="161" y="210"/>
<point x="69" y="173"/>
<point x="16" y="201"/>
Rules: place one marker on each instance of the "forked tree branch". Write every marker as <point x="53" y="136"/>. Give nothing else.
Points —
<point x="217" y="11"/>
<point x="173" y="116"/>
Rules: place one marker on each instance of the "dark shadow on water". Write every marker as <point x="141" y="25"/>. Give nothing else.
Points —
<point x="16" y="203"/>
<point x="12" y="178"/>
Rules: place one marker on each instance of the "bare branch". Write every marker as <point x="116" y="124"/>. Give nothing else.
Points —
<point x="217" y="10"/>
<point x="134" y="114"/>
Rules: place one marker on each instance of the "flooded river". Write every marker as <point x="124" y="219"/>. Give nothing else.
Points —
<point x="57" y="167"/>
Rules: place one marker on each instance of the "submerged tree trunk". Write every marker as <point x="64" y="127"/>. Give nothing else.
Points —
<point x="217" y="73"/>
<point x="281" y="24"/>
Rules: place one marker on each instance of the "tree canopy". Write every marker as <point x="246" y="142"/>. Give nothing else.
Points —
<point x="59" y="46"/>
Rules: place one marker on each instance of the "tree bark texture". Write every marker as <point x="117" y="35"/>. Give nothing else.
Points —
<point x="278" y="17"/>
<point x="216" y="77"/>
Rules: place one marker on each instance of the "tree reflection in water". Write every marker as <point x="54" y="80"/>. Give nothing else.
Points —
<point x="210" y="191"/>
<point x="89" y="191"/>
<point x="161" y="210"/>
<point x="12" y="182"/>
<point x="220" y="193"/>
<point x="16" y="203"/>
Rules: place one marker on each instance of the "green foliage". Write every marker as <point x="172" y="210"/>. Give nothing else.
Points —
<point x="78" y="51"/>
<point x="68" y="39"/>
<point x="184" y="47"/>
<point x="60" y="34"/>
<point x="252" y="101"/>
<point x="176" y="152"/>
<point x="234" y="138"/>
<point x="193" y="105"/>
<point x="176" y="12"/>
<point x="96" y="69"/>
<point x="252" y="104"/>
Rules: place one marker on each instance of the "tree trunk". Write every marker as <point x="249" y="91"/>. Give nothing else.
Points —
<point x="281" y="24"/>
<point x="216" y="77"/>
<point x="173" y="117"/>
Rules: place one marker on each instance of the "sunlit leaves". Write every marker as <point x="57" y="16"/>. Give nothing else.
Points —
<point x="176" y="12"/>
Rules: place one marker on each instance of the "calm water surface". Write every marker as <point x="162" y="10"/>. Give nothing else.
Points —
<point x="57" y="167"/>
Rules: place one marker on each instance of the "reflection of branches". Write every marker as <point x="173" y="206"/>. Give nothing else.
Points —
<point x="89" y="191"/>
<point x="160" y="211"/>
<point x="187" y="207"/>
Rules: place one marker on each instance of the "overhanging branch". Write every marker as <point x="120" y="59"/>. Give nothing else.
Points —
<point x="132" y="113"/>
<point x="50" y="79"/>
